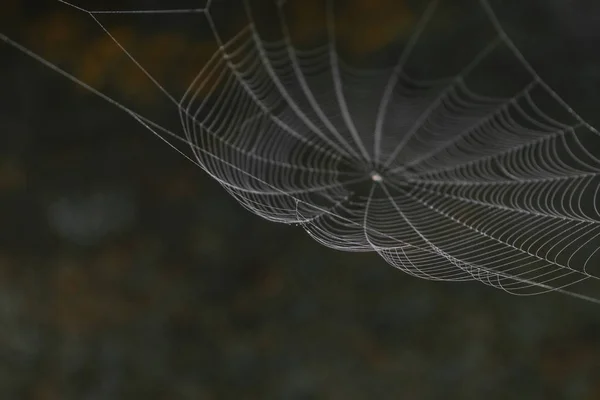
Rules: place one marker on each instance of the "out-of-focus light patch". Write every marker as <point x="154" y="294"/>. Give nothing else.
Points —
<point x="94" y="63"/>
<point x="10" y="10"/>
<point x="361" y="26"/>
<point x="175" y="58"/>
<point x="12" y="175"/>
<point x="365" y="26"/>
<point x="86" y="219"/>
<point x="172" y="58"/>
<point x="57" y="36"/>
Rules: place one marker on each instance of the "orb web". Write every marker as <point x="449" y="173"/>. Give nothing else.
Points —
<point x="453" y="169"/>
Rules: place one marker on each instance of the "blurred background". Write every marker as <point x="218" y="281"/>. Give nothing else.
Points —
<point x="127" y="273"/>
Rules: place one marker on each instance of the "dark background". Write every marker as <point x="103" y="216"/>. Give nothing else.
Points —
<point x="126" y="272"/>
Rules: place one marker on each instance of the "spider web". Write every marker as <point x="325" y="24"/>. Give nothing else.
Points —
<point x="457" y="168"/>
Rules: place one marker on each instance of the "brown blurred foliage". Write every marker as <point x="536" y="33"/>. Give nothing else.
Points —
<point x="362" y="26"/>
<point x="74" y="42"/>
